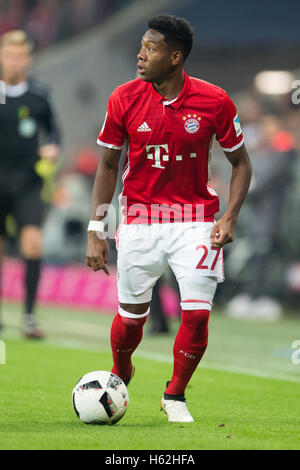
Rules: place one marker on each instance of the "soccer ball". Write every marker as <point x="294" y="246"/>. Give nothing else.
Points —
<point x="100" y="397"/>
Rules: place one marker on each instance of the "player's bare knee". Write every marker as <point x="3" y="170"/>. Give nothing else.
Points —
<point x="137" y="309"/>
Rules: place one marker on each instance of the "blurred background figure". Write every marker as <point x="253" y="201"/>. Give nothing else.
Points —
<point x="23" y="155"/>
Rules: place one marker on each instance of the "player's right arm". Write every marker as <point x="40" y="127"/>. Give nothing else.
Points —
<point x="111" y="139"/>
<point x="103" y="191"/>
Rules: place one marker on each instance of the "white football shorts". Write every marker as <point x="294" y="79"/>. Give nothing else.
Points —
<point x="145" y="251"/>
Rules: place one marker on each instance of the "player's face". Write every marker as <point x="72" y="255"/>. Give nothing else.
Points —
<point x="14" y="60"/>
<point x="155" y="59"/>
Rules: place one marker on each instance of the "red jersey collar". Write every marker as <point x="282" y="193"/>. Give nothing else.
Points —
<point x="177" y="103"/>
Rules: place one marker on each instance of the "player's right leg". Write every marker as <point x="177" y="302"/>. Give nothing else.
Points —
<point x="141" y="262"/>
<point x="126" y="335"/>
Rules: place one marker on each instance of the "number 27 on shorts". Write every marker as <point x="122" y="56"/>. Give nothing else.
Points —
<point x="207" y="261"/>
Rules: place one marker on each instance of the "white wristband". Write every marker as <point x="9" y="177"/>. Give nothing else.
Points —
<point x="95" y="226"/>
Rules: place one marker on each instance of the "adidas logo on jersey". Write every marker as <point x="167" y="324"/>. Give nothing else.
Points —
<point x="144" y="127"/>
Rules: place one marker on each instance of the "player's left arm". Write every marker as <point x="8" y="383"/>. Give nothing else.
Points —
<point x="223" y="230"/>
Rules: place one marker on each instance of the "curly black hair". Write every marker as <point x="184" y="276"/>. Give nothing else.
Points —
<point x="177" y="32"/>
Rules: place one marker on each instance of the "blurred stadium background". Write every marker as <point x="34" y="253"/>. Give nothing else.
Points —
<point x="84" y="49"/>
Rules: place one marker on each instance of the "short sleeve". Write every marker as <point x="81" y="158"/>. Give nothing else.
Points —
<point x="228" y="128"/>
<point x="113" y="133"/>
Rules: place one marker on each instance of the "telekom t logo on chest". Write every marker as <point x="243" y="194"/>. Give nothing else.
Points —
<point x="159" y="153"/>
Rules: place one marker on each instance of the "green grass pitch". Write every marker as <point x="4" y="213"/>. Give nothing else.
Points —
<point x="231" y="410"/>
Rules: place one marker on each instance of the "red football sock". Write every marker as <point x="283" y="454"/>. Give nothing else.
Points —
<point x="189" y="347"/>
<point x="125" y="336"/>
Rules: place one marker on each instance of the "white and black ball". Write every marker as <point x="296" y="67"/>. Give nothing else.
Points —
<point x="100" y="397"/>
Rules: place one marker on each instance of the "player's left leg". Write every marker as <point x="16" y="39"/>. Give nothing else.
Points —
<point x="198" y="268"/>
<point x="192" y="337"/>
<point x="190" y="343"/>
<point x="189" y="347"/>
<point x="31" y="250"/>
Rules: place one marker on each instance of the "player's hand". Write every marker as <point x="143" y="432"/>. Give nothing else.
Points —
<point x="222" y="232"/>
<point x="97" y="253"/>
<point x="49" y="152"/>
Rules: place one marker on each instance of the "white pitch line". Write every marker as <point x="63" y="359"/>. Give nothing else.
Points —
<point x="78" y="327"/>
<point x="260" y="373"/>
<point x="94" y="331"/>
<point x="168" y="359"/>
<point x="223" y="367"/>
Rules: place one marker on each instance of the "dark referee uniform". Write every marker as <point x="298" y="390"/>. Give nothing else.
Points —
<point x="26" y="115"/>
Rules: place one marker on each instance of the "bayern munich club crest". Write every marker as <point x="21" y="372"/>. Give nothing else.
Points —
<point x="191" y="123"/>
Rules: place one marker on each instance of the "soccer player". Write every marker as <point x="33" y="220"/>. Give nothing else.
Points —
<point x="26" y="112"/>
<point x="167" y="120"/>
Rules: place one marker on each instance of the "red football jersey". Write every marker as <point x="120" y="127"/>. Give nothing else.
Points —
<point x="165" y="173"/>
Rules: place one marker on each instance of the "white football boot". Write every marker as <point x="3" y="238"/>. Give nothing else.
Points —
<point x="176" y="410"/>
